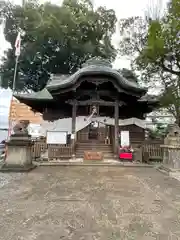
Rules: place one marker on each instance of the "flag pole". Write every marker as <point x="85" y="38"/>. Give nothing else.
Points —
<point x="12" y="98"/>
<point x="15" y="73"/>
<point x="17" y="54"/>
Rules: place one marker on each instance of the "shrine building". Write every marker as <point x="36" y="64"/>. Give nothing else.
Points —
<point x="92" y="106"/>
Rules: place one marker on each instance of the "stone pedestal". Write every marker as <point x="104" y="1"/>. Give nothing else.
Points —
<point x="137" y="154"/>
<point x="171" y="156"/>
<point x="18" y="154"/>
<point x="171" y="149"/>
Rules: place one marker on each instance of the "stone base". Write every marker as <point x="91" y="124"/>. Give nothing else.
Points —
<point x="17" y="168"/>
<point x="94" y="163"/>
<point x="168" y="170"/>
<point x="116" y="156"/>
<point x="19" y="154"/>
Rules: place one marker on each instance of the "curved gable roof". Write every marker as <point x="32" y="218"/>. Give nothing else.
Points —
<point x="95" y="70"/>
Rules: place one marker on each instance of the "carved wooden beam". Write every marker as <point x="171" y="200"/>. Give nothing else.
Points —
<point x="95" y="102"/>
<point x="98" y="92"/>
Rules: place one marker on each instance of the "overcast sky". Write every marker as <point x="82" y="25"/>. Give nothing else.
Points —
<point x="123" y="9"/>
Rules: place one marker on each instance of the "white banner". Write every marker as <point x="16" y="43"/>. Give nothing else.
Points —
<point x="125" y="139"/>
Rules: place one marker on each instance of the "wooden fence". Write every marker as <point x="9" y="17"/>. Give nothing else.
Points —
<point x="38" y="148"/>
<point x="152" y="150"/>
<point x="59" y="151"/>
<point x="54" y="151"/>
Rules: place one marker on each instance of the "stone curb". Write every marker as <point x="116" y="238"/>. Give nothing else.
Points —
<point x="92" y="164"/>
<point x="8" y="169"/>
<point x="168" y="171"/>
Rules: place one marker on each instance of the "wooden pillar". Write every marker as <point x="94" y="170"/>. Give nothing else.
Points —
<point x="73" y="131"/>
<point x="116" y="128"/>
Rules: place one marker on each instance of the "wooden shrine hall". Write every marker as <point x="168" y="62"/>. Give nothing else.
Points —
<point x="98" y="95"/>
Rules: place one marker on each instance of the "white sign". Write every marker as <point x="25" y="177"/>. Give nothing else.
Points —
<point x="72" y="136"/>
<point x="125" y="138"/>
<point x="54" y="137"/>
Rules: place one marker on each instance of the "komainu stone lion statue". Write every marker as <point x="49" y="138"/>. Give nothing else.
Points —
<point x="173" y="130"/>
<point x="173" y="136"/>
<point x="21" y="127"/>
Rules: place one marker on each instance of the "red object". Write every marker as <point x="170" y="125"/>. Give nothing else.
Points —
<point x="126" y="155"/>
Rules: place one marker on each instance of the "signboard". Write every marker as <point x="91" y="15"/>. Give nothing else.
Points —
<point x="125" y="138"/>
<point x="54" y="137"/>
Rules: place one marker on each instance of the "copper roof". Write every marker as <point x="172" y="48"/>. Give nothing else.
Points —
<point x="20" y="111"/>
<point x="95" y="70"/>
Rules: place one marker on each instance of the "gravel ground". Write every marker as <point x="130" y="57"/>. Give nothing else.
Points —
<point x="84" y="203"/>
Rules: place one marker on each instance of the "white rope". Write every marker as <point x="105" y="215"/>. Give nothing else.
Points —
<point x="92" y="114"/>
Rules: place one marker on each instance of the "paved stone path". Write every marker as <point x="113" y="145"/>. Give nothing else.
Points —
<point x="89" y="203"/>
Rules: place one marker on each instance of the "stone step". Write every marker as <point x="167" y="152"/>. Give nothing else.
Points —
<point x="82" y="152"/>
<point x="93" y="144"/>
<point x="97" y="150"/>
<point x="93" y="150"/>
<point x="106" y="149"/>
<point x="105" y="156"/>
<point x="92" y="162"/>
<point x="92" y="147"/>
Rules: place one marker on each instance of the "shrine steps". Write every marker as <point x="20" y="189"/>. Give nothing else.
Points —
<point x="106" y="149"/>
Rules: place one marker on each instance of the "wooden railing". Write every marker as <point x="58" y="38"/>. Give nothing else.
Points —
<point x="150" y="150"/>
<point x="54" y="151"/>
<point x="153" y="150"/>
<point x="38" y="148"/>
<point x="59" y="151"/>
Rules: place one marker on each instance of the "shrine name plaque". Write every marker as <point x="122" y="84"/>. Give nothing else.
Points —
<point x="92" y="155"/>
